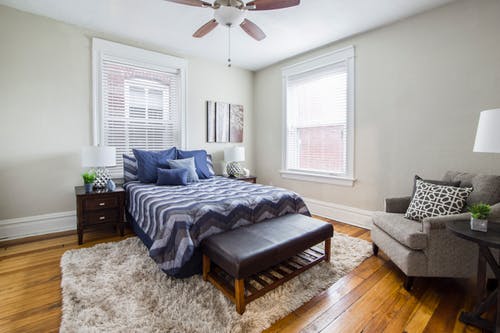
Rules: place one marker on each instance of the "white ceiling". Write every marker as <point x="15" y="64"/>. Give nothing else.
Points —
<point x="168" y="25"/>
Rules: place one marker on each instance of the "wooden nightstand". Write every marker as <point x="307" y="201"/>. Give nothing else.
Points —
<point x="249" y="179"/>
<point x="98" y="208"/>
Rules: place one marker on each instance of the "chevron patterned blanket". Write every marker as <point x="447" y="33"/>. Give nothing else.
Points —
<point x="178" y="218"/>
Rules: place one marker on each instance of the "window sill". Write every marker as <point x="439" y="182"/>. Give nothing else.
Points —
<point x="318" y="178"/>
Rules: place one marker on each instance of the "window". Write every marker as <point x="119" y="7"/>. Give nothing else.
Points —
<point x="319" y="114"/>
<point x="138" y="99"/>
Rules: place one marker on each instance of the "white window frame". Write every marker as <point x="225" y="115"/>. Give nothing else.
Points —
<point x="342" y="55"/>
<point x="136" y="57"/>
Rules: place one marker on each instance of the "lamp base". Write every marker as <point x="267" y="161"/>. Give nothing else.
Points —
<point x="234" y="169"/>
<point x="101" y="178"/>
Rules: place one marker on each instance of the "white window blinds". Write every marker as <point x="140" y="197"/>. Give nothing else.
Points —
<point x="319" y="119"/>
<point x="140" y="103"/>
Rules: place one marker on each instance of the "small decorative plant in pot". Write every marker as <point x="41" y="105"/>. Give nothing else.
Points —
<point x="479" y="219"/>
<point x="88" y="180"/>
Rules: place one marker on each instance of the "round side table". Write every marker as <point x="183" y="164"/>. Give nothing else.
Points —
<point x="486" y="241"/>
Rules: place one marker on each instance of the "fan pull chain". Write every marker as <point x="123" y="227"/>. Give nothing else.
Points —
<point x="229" y="45"/>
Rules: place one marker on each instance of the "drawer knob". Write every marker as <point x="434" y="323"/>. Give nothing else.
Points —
<point x="102" y="203"/>
<point x="102" y="218"/>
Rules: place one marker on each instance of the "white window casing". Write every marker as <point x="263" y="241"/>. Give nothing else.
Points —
<point x="318" y="113"/>
<point x="139" y="99"/>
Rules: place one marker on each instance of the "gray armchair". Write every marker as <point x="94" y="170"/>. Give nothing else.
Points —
<point x="427" y="248"/>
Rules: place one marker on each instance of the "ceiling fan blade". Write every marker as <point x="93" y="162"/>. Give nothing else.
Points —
<point x="252" y="29"/>
<point x="271" y="4"/>
<point x="206" y="28"/>
<point x="196" y="3"/>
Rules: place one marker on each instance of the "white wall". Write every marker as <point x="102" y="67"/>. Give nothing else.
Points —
<point x="420" y="84"/>
<point x="45" y="107"/>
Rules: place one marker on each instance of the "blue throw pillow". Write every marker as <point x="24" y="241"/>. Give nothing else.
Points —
<point x="187" y="163"/>
<point x="149" y="161"/>
<point x="200" y="160"/>
<point x="172" y="177"/>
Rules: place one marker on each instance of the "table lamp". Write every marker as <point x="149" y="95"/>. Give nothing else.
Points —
<point x="488" y="133"/>
<point x="98" y="158"/>
<point x="233" y="156"/>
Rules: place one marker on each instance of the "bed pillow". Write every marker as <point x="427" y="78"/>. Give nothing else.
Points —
<point x="149" y="161"/>
<point x="200" y="161"/>
<point x="172" y="177"/>
<point x="210" y="165"/>
<point x="129" y="168"/>
<point x="188" y="164"/>
<point x="436" y="200"/>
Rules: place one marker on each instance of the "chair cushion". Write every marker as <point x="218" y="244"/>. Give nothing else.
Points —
<point x="486" y="188"/>
<point x="407" y="232"/>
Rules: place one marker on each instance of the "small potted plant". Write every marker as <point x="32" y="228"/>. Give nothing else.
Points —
<point x="479" y="219"/>
<point x="88" y="180"/>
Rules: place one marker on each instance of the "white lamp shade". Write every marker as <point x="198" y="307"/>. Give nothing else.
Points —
<point x="488" y="132"/>
<point x="98" y="156"/>
<point x="234" y="154"/>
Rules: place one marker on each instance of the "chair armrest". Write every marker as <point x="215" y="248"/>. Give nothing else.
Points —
<point x="439" y="222"/>
<point x="495" y="213"/>
<point x="397" y="205"/>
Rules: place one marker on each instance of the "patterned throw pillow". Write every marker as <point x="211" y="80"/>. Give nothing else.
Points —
<point x="436" y="200"/>
<point x="129" y="168"/>
<point x="210" y="165"/>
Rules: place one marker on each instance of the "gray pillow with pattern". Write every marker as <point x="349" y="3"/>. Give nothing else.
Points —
<point x="436" y="200"/>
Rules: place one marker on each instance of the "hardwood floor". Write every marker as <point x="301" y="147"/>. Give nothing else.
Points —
<point x="369" y="299"/>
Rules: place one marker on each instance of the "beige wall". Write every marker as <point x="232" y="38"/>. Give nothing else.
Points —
<point x="45" y="108"/>
<point x="420" y="84"/>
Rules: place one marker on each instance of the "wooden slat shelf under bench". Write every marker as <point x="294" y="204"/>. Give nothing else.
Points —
<point x="257" y="285"/>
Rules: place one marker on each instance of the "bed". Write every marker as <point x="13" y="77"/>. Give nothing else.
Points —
<point x="173" y="220"/>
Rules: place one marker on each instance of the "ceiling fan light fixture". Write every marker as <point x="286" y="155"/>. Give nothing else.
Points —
<point x="229" y="16"/>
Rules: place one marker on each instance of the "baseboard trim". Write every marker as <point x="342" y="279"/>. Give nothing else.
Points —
<point x="64" y="221"/>
<point x="37" y="225"/>
<point x="342" y="213"/>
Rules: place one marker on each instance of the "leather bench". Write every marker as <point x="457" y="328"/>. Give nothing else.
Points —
<point x="247" y="252"/>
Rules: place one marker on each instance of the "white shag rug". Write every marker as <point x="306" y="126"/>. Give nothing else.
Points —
<point x="117" y="287"/>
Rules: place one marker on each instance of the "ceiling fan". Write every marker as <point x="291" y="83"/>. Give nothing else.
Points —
<point x="232" y="12"/>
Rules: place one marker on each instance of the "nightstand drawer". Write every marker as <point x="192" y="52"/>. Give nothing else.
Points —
<point x="102" y="217"/>
<point x="101" y="203"/>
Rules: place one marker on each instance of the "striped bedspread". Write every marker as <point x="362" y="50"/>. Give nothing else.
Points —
<point x="178" y="218"/>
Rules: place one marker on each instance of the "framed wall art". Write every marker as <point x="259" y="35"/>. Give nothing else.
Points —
<point x="224" y="122"/>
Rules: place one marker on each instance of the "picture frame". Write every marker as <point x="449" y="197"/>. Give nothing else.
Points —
<point x="225" y="122"/>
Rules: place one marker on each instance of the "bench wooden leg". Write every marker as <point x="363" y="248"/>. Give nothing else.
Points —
<point x="206" y="267"/>
<point x="328" y="248"/>
<point x="239" y="295"/>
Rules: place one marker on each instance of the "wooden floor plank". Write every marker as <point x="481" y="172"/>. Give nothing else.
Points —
<point x="423" y="311"/>
<point x="312" y="309"/>
<point x="368" y="306"/>
<point x="337" y="309"/>
<point x="368" y="299"/>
